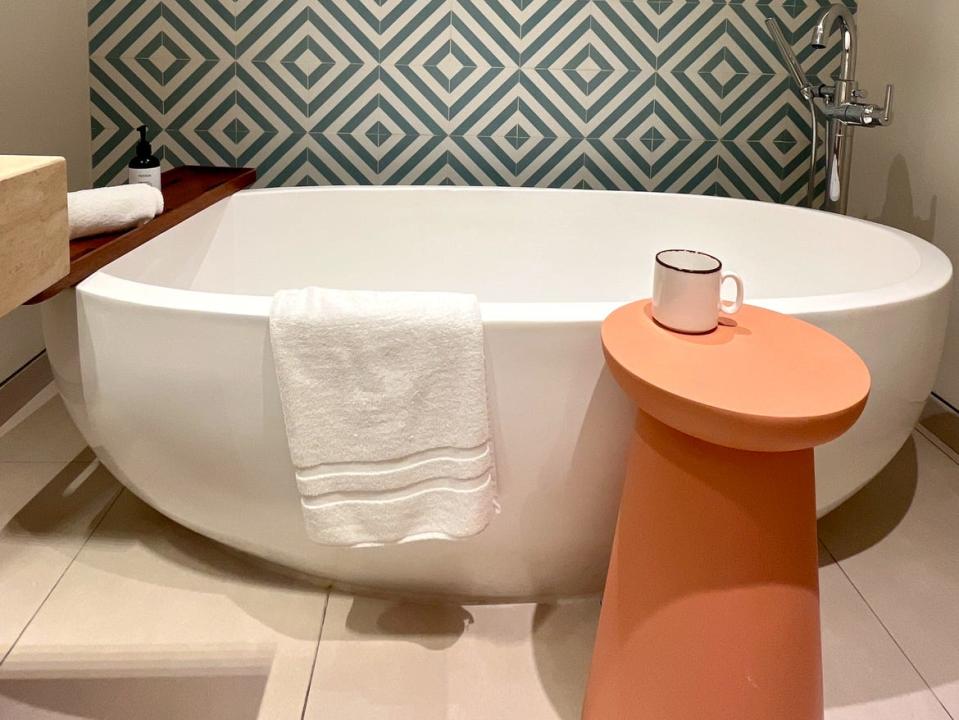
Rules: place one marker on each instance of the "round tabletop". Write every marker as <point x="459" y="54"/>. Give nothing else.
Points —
<point x="761" y="381"/>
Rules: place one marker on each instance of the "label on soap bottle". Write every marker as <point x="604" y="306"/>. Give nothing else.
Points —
<point x="150" y="176"/>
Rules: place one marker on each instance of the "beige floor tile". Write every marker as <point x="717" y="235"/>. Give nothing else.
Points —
<point x="382" y="659"/>
<point x="898" y="541"/>
<point x="153" y="621"/>
<point x="54" y="508"/>
<point x="405" y="661"/>
<point x="866" y="676"/>
<point x="47" y="435"/>
<point x="409" y="661"/>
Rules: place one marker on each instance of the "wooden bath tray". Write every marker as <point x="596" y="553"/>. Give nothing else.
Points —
<point x="186" y="191"/>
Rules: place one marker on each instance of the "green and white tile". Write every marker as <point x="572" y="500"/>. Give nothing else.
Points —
<point x="489" y="30"/>
<point x="627" y="94"/>
<point x="343" y="98"/>
<point x="502" y="160"/>
<point x="624" y="35"/>
<point x="687" y="30"/>
<point x="288" y="91"/>
<point x="189" y="146"/>
<point x="123" y="28"/>
<point x="739" y="174"/>
<point x="413" y="31"/>
<point x="554" y="32"/>
<point x="199" y="95"/>
<point x="411" y="100"/>
<point x="624" y="101"/>
<point x="677" y="103"/>
<point x="487" y="103"/>
<point x="552" y="96"/>
<point x="412" y="159"/>
<point x="619" y="165"/>
<point x="686" y="166"/>
<point x="201" y="28"/>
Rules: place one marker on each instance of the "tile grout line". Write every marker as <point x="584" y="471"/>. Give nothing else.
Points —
<point x="46" y="597"/>
<point x="945" y="402"/>
<point x="20" y="369"/>
<point x="47" y="393"/>
<point x="884" y="627"/>
<point x="939" y="444"/>
<point x="316" y="654"/>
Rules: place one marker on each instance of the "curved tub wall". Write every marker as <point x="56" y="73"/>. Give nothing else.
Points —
<point x="179" y="399"/>
<point x="59" y="318"/>
<point x="207" y="448"/>
<point x="902" y="344"/>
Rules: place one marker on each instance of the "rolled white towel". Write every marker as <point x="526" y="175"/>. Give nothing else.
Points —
<point x="110" y="209"/>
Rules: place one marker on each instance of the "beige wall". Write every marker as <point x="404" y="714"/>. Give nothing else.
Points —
<point x="44" y="110"/>
<point x="907" y="175"/>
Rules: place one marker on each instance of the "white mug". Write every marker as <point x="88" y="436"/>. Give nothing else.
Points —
<point x="686" y="287"/>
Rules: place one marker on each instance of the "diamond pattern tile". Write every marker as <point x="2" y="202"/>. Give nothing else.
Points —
<point x="660" y="95"/>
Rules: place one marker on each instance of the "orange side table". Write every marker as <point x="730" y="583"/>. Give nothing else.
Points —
<point x="711" y="607"/>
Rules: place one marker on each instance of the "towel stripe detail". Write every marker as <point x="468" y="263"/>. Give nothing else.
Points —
<point x="454" y="513"/>
<point x="447" y="463"/>
<point x="366" y="495"/>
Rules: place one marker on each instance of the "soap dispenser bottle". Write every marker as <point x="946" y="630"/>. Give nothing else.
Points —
<point x="144" y="168"/>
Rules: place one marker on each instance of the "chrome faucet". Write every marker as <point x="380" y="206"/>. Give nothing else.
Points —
<point x="840" y="105"/>
<point x="833" y="16"/>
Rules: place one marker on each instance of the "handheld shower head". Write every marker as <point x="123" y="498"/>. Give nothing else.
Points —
<point x="788" y="56"/>
<point x="806" y="90"/>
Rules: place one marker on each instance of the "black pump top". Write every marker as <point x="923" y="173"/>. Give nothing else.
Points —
<point x="144" y="159"/>
<point x="144" y="151"/>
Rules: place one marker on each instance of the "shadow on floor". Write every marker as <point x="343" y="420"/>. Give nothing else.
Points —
<point x="945" y="426"/>
<point x="74" y="492"/>
<point x="875" y="511"/>
<point x="435" y="627"/>
<point x="559" y="635"/>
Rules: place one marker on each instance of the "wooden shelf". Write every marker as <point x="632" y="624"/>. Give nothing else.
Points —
<point x="186" y="191"/>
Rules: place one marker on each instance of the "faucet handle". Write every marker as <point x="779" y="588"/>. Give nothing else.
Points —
<point x="870" y="115"/>
<point x="886" y="117"/>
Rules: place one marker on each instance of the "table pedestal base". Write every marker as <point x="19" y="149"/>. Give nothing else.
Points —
<point x="711" y="607"/>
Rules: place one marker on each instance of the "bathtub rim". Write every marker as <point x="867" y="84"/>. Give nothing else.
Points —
<point x="934" y="272"/>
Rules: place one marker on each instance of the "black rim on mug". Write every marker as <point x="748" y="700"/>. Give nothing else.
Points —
<point x="659" y="259"/>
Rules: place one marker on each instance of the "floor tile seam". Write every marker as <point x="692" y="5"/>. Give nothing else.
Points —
<point x="940" y="444"/>
<point x="316" y="654"/>
<point x="882" y="624"/>
<point x="93" y="530"/>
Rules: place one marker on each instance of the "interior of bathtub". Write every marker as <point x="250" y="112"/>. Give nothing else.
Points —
<point x="507" y="246"/>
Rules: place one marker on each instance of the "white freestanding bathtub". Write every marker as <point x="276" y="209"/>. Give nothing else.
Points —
<point x="164" y="360"/>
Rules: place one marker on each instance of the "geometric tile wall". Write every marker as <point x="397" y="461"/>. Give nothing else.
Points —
<point x="659" y="95"/>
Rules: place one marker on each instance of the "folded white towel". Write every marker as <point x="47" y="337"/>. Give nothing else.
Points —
<point x="110" y="209"/>
<point x="384" y="398"/>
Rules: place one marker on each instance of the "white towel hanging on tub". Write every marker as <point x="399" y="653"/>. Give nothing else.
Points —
<point x="384" y="398"/>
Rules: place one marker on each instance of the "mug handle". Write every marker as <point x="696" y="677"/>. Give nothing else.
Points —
<point x="736" y="305"/>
